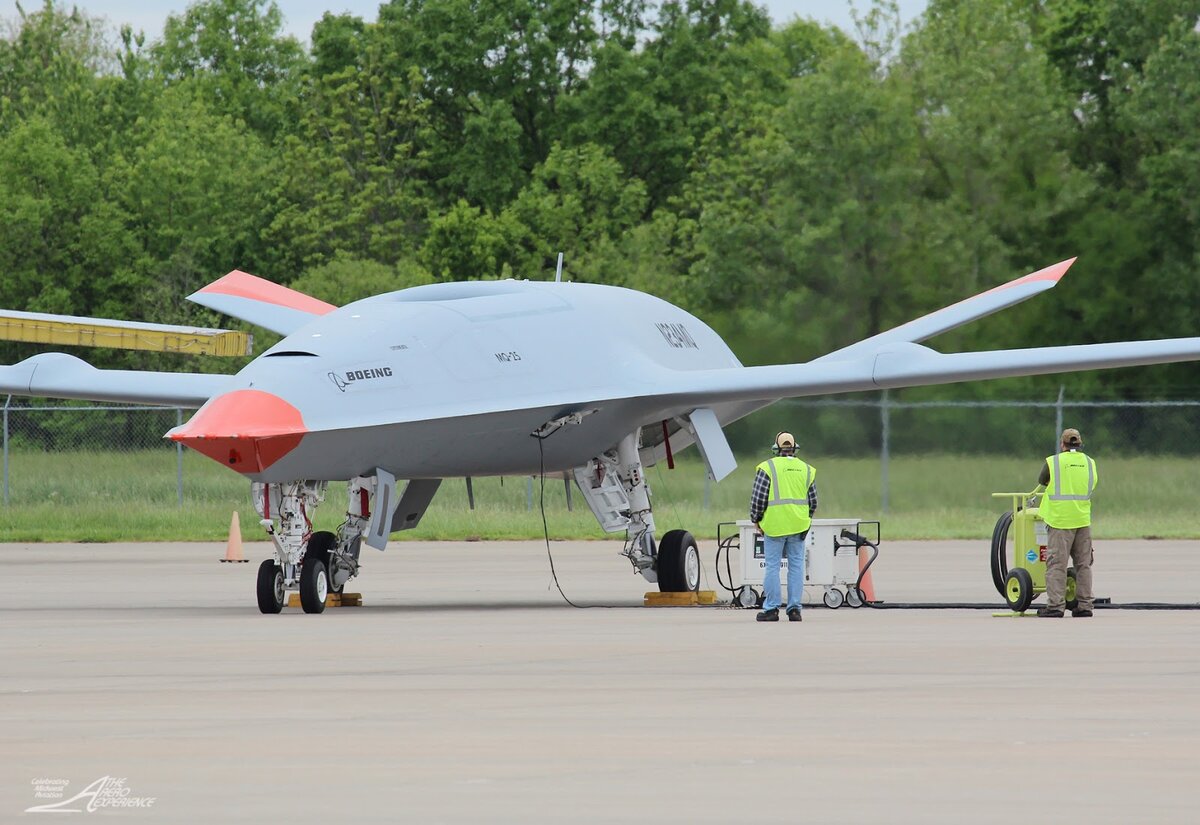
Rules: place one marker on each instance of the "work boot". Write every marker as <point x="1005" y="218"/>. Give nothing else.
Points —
<point x="794" y="615"/>
<point x="1081" y="614"/>
<point x="768" y="616"/>
<point x="1049" y="613"/>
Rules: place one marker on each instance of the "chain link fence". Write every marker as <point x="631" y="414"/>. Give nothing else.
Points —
<point x="86" y="435"/>
<point x="91" y="437"/>
<point x="888" y="428"/>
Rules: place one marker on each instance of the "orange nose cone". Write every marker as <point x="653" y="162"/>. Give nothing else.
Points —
<point x="246" y="430"/>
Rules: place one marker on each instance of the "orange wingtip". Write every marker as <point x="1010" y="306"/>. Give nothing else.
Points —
<point x="246" y="430"/>
<point x="244" y="285"/>
<point x="1050" y="273"/>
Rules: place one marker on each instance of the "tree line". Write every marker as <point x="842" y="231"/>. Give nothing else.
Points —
<point x="796" y="186"/>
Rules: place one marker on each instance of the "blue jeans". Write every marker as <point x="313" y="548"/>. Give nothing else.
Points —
<point x="773" y="549"/>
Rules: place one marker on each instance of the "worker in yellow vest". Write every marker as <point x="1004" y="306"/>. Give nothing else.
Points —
<point x="782" y="504"/>
<point x="1070" y="478"/>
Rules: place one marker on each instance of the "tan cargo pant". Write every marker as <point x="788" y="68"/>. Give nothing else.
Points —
<point x="1063" y="546"/>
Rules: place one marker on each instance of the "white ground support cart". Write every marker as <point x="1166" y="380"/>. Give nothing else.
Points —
<point x="832" y="571"/>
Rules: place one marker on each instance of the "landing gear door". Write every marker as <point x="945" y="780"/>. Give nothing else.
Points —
<point x="604" y="494"/>
<point x="710" y="439"/>
<point x="418" y="493"/>
<point x="383" y="509"/>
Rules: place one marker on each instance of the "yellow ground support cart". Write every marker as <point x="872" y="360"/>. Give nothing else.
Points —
<point x="1025" y="580"/>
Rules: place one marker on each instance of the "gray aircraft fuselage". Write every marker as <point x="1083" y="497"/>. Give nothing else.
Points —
<point x="451" y="379"/>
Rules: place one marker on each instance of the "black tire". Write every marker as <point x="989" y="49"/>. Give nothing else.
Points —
<point x="747" y="596"/>
<point x="314" y="585"/>
<point x="270" y="587"/>
<point x="1018" y="589"/>
<point x="321" y="545"/>
<point x="1000" y="551"/>
<point x="833" y="598"/>
<point x="1072" y="590"/>
<point x="855" y="597"/>
<point x="678" y="563"/>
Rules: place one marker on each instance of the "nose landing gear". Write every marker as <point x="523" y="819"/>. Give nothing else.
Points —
<point x="315" y="564"/>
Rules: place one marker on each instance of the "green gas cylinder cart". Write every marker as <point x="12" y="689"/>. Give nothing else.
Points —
<point x="1025" y="579"/>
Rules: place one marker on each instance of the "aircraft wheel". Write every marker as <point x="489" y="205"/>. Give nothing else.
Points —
<point x="314" y="585"/>
<point x="833" y="598"/>
<point x="678" y="563"/>
<point x="320" y="545"/>
<point x="270" y="587"/>
<point x="1072" y="593"/>
<point x="1018" y="589"/>
<point x="855" y="597"/>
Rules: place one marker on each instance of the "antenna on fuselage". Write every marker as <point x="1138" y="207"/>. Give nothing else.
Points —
<point x="558" y="272"/>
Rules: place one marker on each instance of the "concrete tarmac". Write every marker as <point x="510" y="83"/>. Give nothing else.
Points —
<point x="467" y="691"/>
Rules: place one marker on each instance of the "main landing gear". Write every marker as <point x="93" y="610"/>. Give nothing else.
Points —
<point x="614" y="487"/>
<point x="313" y="563"/>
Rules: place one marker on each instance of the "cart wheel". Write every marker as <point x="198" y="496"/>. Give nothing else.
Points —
<point x="747" y="596"/>
<point x="834" y="598"/>
<point x="1072" y="592"/>
<point x="855" y="597"/>
<point x="1018" y="589"/>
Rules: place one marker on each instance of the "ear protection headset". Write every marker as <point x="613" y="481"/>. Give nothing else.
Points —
<point x="777" y="447"/>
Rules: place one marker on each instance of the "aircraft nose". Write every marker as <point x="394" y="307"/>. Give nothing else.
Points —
<point x="246" y="430"/>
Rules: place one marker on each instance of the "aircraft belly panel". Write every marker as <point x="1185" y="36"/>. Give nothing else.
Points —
<point x="478" y="445"/>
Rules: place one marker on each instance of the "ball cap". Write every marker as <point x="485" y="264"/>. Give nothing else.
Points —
<point x="785" y="441"/>
<point x="1071" y="437"/>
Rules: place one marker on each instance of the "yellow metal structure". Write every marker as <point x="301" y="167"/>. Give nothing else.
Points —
<point x="1026" y="579"/>
<point x="689" y="599"/>
<point x="332" y="600"/>
<point x="68" y="330"/>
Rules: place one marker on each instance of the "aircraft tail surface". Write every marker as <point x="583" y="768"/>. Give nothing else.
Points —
<point x="261" y="302"/>
<point x="955" y="315"/>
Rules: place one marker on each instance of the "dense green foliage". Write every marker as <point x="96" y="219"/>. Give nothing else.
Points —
<point x="797" y="187"/>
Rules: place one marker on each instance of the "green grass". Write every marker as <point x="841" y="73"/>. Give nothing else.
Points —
<point x="104" y="497"/>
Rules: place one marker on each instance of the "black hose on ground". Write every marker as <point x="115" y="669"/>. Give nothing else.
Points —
<point x="860" y="541"/>
<point x="987" y="606"/>
<point x="725" y="544"/>
<point x="862" y="573"/>
<point x="1000" y="550"/>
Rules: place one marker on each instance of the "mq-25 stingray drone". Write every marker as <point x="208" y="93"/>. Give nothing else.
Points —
<point x="498" y="378"/>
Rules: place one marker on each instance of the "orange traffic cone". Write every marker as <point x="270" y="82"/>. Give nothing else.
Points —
<point x="868" y="586"/>
<point x="233" y="548"/>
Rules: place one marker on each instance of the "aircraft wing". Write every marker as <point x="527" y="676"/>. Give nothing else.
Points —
<point x="58" y="375"/>
<point x="955" y="315"/>
<point x="913" y="365"/>
<point x="261" y="302"/>
<point x="893" y="359"/>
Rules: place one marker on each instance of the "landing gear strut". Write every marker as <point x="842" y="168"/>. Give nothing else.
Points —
<point x="675" y="564"/>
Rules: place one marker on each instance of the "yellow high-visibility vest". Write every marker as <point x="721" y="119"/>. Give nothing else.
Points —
<point x="1067" y="502"/>
<point x="787" y="503"/>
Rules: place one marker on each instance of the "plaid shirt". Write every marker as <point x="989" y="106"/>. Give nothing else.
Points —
<point x="761" y="494"/>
